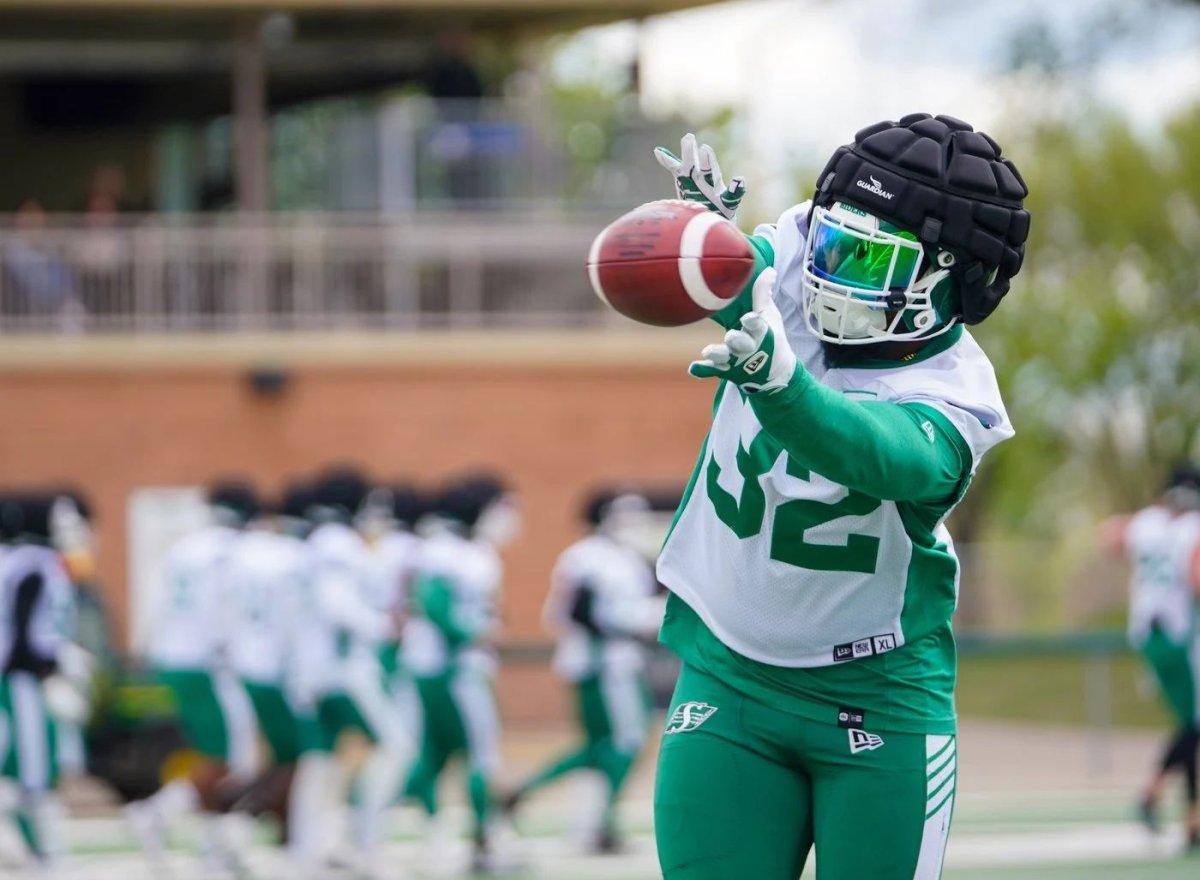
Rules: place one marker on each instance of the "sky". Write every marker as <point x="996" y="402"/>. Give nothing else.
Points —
<point x="804" y="75"/>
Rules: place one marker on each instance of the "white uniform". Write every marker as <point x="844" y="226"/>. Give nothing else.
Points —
<point x="1161" y="546"/>
<point x="622" y="586"/>
<point x="786" y="614"/>
<point x="394" y="558"/>
<point x="28" y="720"/>
<point x="623" y="608"/>
<point x="472" y="571"/>
<point x="193" y="624"/>
<point x="194" y="613"/>
<point x="268" y="584"/>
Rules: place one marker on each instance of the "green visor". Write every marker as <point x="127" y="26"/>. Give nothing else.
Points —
<point x="869" y="261"/>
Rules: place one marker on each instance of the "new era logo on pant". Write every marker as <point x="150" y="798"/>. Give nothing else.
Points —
<point x="861" y="741"/>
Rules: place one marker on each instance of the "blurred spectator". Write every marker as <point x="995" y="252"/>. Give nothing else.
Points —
<point x="452" y="74"/>
<point x="40" y="282"/>
<point x="100" y="252"/>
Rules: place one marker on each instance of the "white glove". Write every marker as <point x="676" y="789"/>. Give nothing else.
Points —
<point x="698" y="177"/>
<point x="757" y="357"/>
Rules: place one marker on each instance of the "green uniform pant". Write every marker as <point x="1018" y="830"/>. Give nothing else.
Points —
<point x="745" y="791"/>
<point x="1172" y="667"/>
<point x="614" y="713"/>
<point x="200" y="711"/>
<point x="460" y="719"/>
<point x="288" y="733"/>
<point x="28" y="736"/>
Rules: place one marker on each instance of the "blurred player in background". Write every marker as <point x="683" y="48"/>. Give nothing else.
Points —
<point x="602" y="607"/>
<point x="189" y="650"/>
<point x="812" y="579"/>
<point x="448" y="646"/>
<point x="270" y="592"/>
<point x="1163" y="543"/>
<point x="45" y="676"/>
<point x="387" y="521"/>
<point x="352" y="694"/>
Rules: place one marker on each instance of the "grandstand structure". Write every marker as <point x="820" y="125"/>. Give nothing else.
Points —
<point x="284" y="166"/>
<point x="416" y="294"/>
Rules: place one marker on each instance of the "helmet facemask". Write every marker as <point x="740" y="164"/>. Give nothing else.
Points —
<point x="867" y="281"/>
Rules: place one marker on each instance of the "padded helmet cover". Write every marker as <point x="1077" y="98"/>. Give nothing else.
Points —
<point x="948" y="184"/>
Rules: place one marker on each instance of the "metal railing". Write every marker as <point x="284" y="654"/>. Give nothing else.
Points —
<point x="295" y="272"/>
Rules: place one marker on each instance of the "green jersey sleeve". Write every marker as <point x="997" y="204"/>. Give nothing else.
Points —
<point x="435" y="597"/>
<point x="891" y="451"/>
<point x="764" y="257"/>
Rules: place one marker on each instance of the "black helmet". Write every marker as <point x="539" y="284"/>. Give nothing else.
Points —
<point x="235" y="498"/>
<point x="949" y="185"/>
<point x="464" y="500"/>
<point x="340" y="491"/>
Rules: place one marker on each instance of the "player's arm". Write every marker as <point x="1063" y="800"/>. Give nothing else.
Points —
<point x="24" y="654"/>
<point x="434" y="596"/>
<point x="764" y="258"/>
<point x="697" y="177"/>
<point x="1194" y="568"/>
<point x="897" y="452"/>
<point x="1110" y="534"/>
<point x="337" y="593"/>
<point x="893" y="451"/>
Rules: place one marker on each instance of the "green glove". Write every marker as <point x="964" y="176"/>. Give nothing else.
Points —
<point x="698" y="177"/>
<point x="757" y="357"/>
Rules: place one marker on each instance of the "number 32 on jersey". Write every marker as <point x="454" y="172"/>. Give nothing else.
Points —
<point x="744" y="515"/>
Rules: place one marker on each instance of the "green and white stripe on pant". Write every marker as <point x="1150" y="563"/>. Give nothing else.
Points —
<point x="30" y="745"/>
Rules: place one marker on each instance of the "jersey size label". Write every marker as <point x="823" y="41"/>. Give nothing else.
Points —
<point x="867" y="647"/>
<point x="851" y="718"/>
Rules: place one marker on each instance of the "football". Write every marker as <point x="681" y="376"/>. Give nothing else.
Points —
<point x="669" y="263"/>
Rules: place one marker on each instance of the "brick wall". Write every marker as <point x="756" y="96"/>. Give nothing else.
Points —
<point x="554" y="431"/>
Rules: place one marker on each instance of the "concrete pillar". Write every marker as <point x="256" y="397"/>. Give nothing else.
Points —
<point x="250" y="114"/>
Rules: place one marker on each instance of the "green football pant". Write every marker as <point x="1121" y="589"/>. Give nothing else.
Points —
<point x="613" y="710"/>
<point x="28" y="738"/>
<point x="1172" y="667"/>
<point x="460" y="719"/>
<point x="746" y="790"/>
<point x="288" y="733"/>
<point x="200" y="711"/>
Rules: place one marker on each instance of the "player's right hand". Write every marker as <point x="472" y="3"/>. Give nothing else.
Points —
<point x="698" y="177"/>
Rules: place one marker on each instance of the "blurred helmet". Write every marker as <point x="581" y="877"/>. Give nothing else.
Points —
<point x="1183" y="487"/>
<point x="915" y="226"/>
<point x="338" y="493"/>
<point x="474" y="503"/>
<point x="294" y="507"/>
<point x="25" y="518"/>
<point x="234" y="501"/>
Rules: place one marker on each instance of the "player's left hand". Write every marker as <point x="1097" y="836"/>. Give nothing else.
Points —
<point x="756" y="357"/>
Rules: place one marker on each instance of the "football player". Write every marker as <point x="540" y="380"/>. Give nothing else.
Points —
<point x="601" y="605"/>
<point x="1162" y="542"/>
<point x="40" y="671"/>
<point x="448" y="646"/>
<point x="387" y="522"/>
<point x="270" y="594"/>
<point x="189" y="653"/>
<point x="354" y="696"/>
<point x="812" y="577"/>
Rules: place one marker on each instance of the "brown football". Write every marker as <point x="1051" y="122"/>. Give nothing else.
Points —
<point x="669" y="263"/>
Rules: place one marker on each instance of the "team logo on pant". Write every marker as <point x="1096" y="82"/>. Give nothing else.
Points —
<point x="689" y="716"/>
<point x="861" y="741"/>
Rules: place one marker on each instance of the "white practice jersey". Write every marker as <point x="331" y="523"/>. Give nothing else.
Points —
<point x="856" y="592"/>
<point x="1161" y="546"/>
<point x="394" y="557"/>
<point x="268" y="582"/>
<point x="52" y="622"/>
<point x="622" y="586"/>
<point x="472" y="571"/>
<point x="344" y="634"/>
<point x="192" y="620"/>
